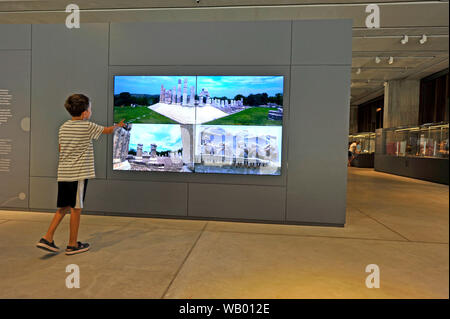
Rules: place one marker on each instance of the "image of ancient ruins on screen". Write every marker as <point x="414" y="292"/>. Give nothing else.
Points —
<point x="153" y="147"/>
<point x="215" y="100"/>
<point x="222" y="124"/>
<point x="235" y="149"/>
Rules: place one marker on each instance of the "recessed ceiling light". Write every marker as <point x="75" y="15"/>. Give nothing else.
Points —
<point x="404" y="40"/>
<point x="391" y="60"/>
<point x="423" y="39"/>
<point x="377" y="60"/>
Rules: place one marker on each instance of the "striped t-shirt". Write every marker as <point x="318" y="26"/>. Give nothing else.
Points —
<point x="76" y="157"/>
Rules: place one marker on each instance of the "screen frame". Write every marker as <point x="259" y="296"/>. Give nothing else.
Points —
<point x="213" y="178"/>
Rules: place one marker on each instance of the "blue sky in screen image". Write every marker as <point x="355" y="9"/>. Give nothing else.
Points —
<point x="149" y="84"/>
<point x="218" y="86"/>
<point x="167" y="137"/>
<point x="230" y="86"/>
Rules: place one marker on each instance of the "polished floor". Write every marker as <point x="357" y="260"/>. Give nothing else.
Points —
<point x="397" y="223"/>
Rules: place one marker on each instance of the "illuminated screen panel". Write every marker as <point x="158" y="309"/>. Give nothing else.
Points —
<point x="201" y="124"/>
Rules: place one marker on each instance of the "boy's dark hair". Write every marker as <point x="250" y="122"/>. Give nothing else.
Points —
<point x="77" y="104"/>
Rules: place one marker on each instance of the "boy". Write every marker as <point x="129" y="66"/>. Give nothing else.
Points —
<point x="75" y="167"/>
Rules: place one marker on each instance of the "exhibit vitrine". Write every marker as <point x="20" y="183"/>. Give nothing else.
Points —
<point x="426" y="141"/>
<point x="366" y="142"/>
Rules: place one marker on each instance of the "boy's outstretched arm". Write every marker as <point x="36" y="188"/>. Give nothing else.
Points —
<point x="110" y="129"/>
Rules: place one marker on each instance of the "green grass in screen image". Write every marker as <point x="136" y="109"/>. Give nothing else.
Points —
<point x="252" y="116"/>
<point x="139" y="114"/>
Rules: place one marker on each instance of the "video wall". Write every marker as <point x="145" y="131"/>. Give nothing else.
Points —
<point x="201" y="124"/>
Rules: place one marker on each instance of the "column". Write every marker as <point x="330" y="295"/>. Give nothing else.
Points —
<point x="187" y="139"/>
<point x="162" y="94"/>
<point x="192" y="97"/>
<point x="174" y="95"/>
<point x="353" y="124"/>
<point x="185" y="92"/>
<point x="401" y="103"/>
<point x="179" y="92"/>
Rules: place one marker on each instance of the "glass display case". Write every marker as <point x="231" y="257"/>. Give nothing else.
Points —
<point x="426" y="141"/>
<point x="366" y="142"/>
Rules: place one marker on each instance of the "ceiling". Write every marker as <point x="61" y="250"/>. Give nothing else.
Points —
<point x="397" y="18"/>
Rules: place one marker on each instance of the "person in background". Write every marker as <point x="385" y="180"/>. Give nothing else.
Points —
<point x="351" y="152"/>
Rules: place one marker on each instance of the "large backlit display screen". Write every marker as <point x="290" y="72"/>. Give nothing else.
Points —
<point x="202" y="124"/>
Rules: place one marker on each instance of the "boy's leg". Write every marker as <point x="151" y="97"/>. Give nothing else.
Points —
<point x="74" y="225"/>
<point x="59" y="215"/>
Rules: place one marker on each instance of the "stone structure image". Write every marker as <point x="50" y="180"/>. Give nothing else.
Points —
<point x="175" y="160"/>
<point x="276" y="115"/>
<point x="177" y="105"/>
<point x="185" y="91"/>
<point x="179" y="92"/>
<point x="187" y="138"/>
<point x="153" y="150"/>
<point x="218" y="147"/>
<point x="121" y="144"/>
<point x="139" y="150"/>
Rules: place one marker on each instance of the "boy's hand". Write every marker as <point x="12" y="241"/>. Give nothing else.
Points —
<point x="121" y="123"/>
<point x="110" y="129"/>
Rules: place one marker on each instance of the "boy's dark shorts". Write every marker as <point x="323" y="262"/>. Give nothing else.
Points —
<point x="71" y="194"/>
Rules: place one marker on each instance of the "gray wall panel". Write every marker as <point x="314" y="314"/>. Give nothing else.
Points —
<point x="322" y="42"/>
<point x="145" y="197"/>
<point x="15" y="37"/>
<point x="318" y="128"/>
<point x="15" y="77"/>
<point x="66" y="61"/>
<point x="117" y="196"/>
<point x="43" y="193"/>
<point x="201" y="43"/>
<point x="237" y="201"/>
<point x="311" y="190"/>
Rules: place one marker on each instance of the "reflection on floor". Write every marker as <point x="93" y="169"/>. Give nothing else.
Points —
<point x="400" y="224"/>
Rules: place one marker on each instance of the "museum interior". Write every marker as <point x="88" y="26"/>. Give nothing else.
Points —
<point x="289" y="149"/>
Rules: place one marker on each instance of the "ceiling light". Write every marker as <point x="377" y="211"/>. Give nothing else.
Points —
<point x="423" y="39"/>
<point x="377" y="60"/>
<point x="404" y="40"/>
<point x="391" y="60"/>
<point x="358" y="71"/>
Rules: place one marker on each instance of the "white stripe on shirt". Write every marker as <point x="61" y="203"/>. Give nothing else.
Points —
<point x="76" y="157"/>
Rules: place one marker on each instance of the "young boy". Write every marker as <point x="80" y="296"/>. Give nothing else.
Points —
<point x="75" y="167"/>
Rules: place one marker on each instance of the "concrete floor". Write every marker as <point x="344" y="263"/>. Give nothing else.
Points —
<point x="398" y="223"/>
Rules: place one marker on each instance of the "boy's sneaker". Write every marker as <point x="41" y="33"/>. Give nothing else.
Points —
<point x="46" y="245"/>
<point x="82" y="247"/>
